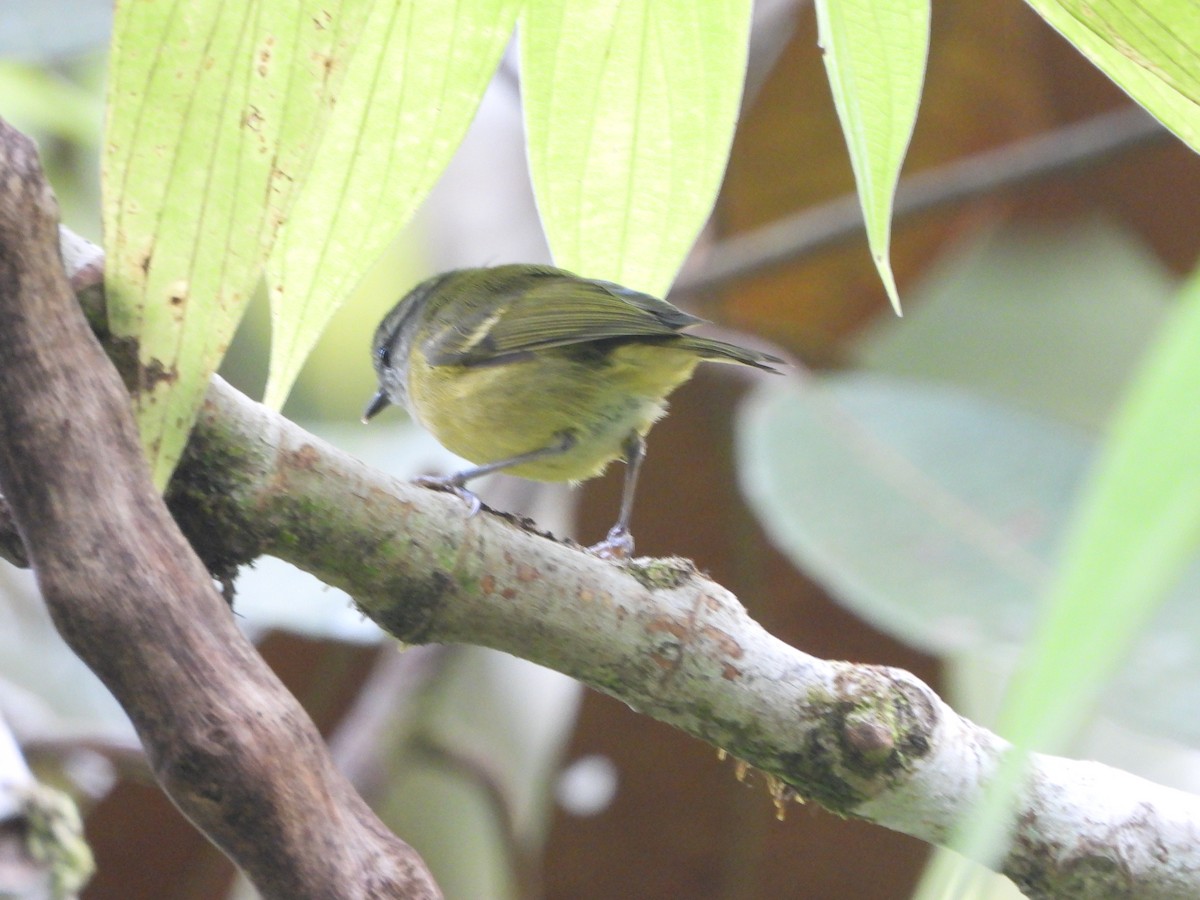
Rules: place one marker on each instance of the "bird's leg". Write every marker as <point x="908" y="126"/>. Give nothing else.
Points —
<point x="619" y="543"/>
<point x="456" y="483"/>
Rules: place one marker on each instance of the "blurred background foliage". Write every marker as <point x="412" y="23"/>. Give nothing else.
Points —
<point x="912" y="482"/>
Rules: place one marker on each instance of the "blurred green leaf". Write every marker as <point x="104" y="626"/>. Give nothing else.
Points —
<point x="930" y="512"/>
<point x="1135" y="530"/>
<point x="1051" y="320"/>
<point x="875" y="53"/>
<point x="937" y="516"/>
<point x="928" y="506"/>
<point x="413" y="86"/>
<point x="630" y="107"/>
<point x="1150" y="48"/>
<point x="1137" y="527"/>
<point x="212" y="117"/>
<point x="40" y="101"/>
<point x="469" y="769"/>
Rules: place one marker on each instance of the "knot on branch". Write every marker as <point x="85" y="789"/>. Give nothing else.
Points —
<point x="867" y="734"/>
<point x="886" y="722"/>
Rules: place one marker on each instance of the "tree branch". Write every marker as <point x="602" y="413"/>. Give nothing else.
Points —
<point x="231" y="747"/>
<point x="864" y="741"/>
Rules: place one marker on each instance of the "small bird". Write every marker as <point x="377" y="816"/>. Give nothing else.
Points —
<point x="539" y="372"/>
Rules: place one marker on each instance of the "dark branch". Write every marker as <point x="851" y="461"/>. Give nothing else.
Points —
<point x="224" y="738"/>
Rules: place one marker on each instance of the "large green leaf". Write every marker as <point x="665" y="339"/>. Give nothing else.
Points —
<point x="630" y="107"/>
<point x="875" y="52"/>
<point x="927" y="510"/>
<point x="212" y="113"/>
<point x="1150" y="48"/>
<point x="933" y="509"/>
<point x="938" y="516"/>
<point x="413" y="86"/>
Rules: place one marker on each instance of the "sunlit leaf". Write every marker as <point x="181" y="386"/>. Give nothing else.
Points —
<point x="875" y="53"/>
<point x="417" y="77"/>
<point x="1150" y="48"/>
<point x="630" y="107"/>
<point x="213" y="112"/>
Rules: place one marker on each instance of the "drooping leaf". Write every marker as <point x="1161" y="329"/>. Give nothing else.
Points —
<point x="417" y="77"/>
<point x="630" y="107"/>
<point x="875" y="53"/>
<point x="213" y="112"/>
<point x="1150" y="48"/>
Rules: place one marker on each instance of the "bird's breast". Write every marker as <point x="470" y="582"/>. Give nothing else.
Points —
<point x="492" y="412"/>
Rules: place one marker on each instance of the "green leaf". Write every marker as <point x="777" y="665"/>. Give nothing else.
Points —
<point x="39" y="100"/>
<point x="630" y="107"/>
<point x="930" y="512"/>
<point x="1136" y="529"/>
<point x="415" y="82"/>
<point x="212" y="114"/>
<point x="928" y="507"/>
<point x="1150" y="48"/>
<point x="939" y="516"/>
<point x="875" y="53"/>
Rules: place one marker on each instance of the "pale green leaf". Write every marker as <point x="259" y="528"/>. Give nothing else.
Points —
<point x="1150" y="48"/>
<point x="937" y="516"/>
<point x="417" y="77"/>
<point x="875" y="53"/>
<point x="38" y="100"/>
<point x="929" y="511"/>
<point x="934" y="511"/>
<point x="630" y="107"/>
<point x="212" y="114"/>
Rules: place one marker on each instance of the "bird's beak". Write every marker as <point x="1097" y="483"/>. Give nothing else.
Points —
<point x="378" y="402"/>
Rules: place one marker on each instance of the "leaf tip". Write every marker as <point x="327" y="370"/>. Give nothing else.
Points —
<point x="889" y="283"/>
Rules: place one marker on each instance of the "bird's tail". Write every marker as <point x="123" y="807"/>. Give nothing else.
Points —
<point x="722" y="351"/>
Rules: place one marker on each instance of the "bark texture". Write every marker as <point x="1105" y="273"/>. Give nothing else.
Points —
<point x="233" y="749"/>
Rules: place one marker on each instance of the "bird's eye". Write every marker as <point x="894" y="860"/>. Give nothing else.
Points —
<point x="383" y="355"/>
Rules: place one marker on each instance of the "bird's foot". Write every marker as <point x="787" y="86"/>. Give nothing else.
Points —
<point x="453" y="485"/>
<point x="618" y="544"/>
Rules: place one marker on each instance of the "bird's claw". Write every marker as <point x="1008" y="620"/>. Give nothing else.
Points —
<point x="453" y="486"/>
<point x="617" y="545"/>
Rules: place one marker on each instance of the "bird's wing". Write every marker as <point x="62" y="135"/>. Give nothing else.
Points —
<point x="536" y="309"/>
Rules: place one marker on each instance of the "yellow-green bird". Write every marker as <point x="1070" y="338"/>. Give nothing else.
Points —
<point x="539" y="372"/>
